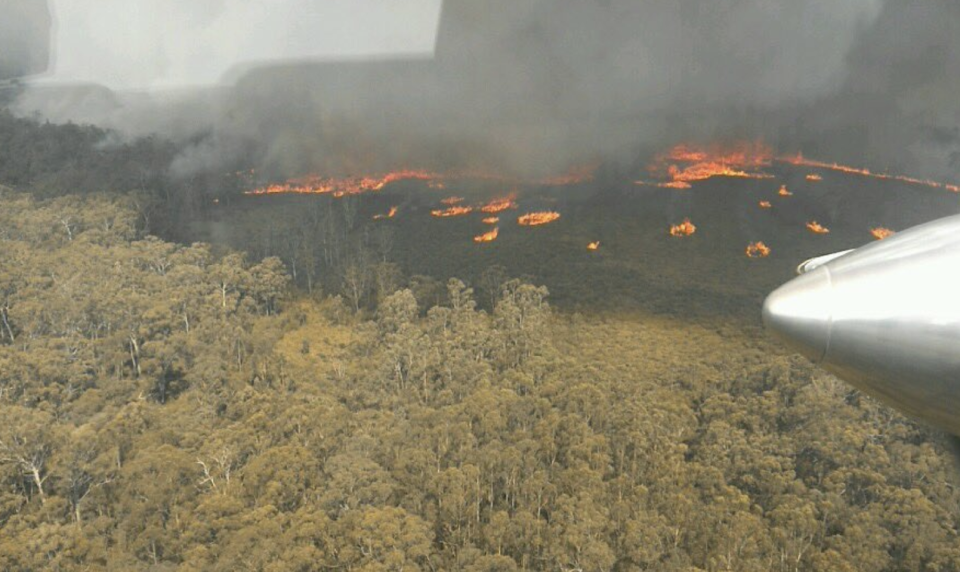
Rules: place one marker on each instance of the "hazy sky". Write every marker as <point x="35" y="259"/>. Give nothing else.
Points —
<point x="166" y="43"/>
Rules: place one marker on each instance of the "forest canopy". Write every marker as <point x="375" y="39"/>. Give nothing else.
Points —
<point x="168" y="406"/>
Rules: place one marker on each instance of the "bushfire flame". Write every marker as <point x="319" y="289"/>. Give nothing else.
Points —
<point x="499" y="205"/>
<point x="341" y="186"/>
<point x="765" y="205"/>
<point x="389" y="214"/>
<point x="538" y="218"/>
<point x="451" y="212"/>
<point x="685" y="228"/>
<point x="801" y="161"/>
<point x="491" y="220"/>
<point x="452" y="200"/>
<point x="488" y="236"/>
<point x="881" y="233"/>
<point x="353" y="185"/>
<point x="686" y="164"/>
<point x="594" y="245"/>
<point x="784" y="192"/>
<point x="758" y="250"/>
<point x="817" y="228"/>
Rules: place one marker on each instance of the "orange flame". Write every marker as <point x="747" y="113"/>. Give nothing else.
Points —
<point x="685" y="228"/>
<point x="817" y="228"/>
<point x="499" y="205"/>
<point x="675" y="185"/>
<point x="538" y="218"/>
<point x="491" y="220"/>
<point x="392" y="213"/>
<point x="594" y="245"/>
<point x="881" y="233"/>
<point x="758" y="250"/>
<point x="340" y="186"/>
<point x="487" y="236"/>
<point x="451" y="211"/>
<point x="801" y="161"/>
<point x="765" y="205"/>
<point x="783" y="192"/>
<point x="686" y="164"/>
<point x="452" y="200"/>
<point x="814" y="177"/>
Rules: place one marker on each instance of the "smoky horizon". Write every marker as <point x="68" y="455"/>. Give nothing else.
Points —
<point x="528" y="88"/>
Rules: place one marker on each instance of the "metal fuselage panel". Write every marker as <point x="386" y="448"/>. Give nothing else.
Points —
<point x="887" y="320"/>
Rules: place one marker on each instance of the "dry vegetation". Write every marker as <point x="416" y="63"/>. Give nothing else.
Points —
<point x="163" y="407"/>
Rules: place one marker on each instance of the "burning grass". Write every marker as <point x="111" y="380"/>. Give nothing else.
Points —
<point x="757" y="250"/>
<point x="799" y="160"/>
<point x="389" y="214"/>
<point x="341" y="186"/>
<point x="685" y="164"/>
<point x="488" y="236"/>
<point x="685" y="228"/>
<point x="499" y="205"/>
<point x="451" y="212"/>
<point x="817" y="228"/>
<point x="538" y="218"/>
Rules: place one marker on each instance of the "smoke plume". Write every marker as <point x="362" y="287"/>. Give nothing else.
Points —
<point x="534" y="86"/>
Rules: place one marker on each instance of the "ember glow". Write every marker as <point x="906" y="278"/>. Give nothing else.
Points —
<point x="499" y="205"/>
<point x="881" y="233"/>
<point x="488" y="236"/>
<point x="814" y="177"/>
<point x="817" y="228"/>
<point x="765" y="205"/>
<point x="685" y="228"/>
<point x="390" y="214"/>
<point x="686" y="164"/>
<point x="340" y="186"/>
<point x="538" y="218"/>
<point x="491" y="220"/>
<point x="452" y="200"/>
<point x="784" y="192"/>
<point x="594" y="245"/>
<point x="801" y="161"/>
<point x="758" y="250"/>
<point x="451" y="212"/>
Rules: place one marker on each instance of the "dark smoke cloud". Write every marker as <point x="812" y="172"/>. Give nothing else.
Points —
<point x="532" y="86"/>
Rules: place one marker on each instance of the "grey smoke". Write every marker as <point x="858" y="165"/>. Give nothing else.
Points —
<point x="533" y="86"/>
